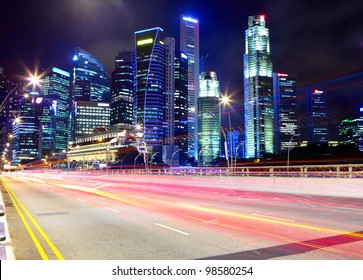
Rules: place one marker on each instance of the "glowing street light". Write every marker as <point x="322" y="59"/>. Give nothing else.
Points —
<point x="34" y="80"/>
<point x="225" y="101"/>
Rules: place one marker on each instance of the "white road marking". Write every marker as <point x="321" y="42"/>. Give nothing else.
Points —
<point x="111" y="209"/>
<point x="346" y="208"/>
<point x="173" y="229"/>
<point x="35" y="180"/>
<point x="81" y="200"/>
<point x="272" y="217"/>
<point x="104" y="185"/>
<point x="210" y="221"/>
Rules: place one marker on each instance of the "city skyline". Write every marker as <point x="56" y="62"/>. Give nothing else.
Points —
<point x="295" y="44"/>
<point x="312" y="40"/>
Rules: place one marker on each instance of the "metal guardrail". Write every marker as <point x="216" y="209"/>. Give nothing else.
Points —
<point x="330" y="171"/>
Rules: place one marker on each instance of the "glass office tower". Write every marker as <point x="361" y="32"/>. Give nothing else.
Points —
<point x="56" y="89"/>
<point x="122" y="83"/>
<point x="258" y="97"/>
<point x="189" y="44"/>
<point x="90" y="82"/>
<point x="181" y="106"/>
<point x="209" y="118"/>
<point x="148" y="98"/>
<point x="317" y="116"/>
<point x="285" y="112"/>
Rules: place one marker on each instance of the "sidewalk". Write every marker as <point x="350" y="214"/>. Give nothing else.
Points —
<point x="6" y="251"/>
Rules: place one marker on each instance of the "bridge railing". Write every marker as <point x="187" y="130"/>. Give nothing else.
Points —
<point x="337" y="171"/>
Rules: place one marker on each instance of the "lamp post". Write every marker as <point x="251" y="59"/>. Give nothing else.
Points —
<point x="225" y="101"/>
<point x="200" y="152"/>
<point x="225" y="141"/>
<point x="288" y="150"/>
<point x="172" y="156"/>
<point x="139" y="155"/>
<point x="152" y="157"/>
<point x="122" y="160"/>
<point x="235" y="156"/>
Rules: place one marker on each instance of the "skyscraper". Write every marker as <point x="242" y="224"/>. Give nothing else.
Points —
<point x="91" y="117"/>
<point x="285" y="112"/>
<point x="258" y="97"/>
<point x="122" y="83"/>
<point x="25" y="131"/>
<point x="169" y="91"/>
<point x="181" y="106"/>
<point x="189" y="44"/>
<point x="148" y="98"/>
<point x="317" y="116"/>
<point x="90" y="82"/>
<point x="209" y="118"/>
<point x="56" y="89"/>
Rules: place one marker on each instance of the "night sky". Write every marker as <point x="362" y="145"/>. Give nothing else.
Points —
<point x="316" y="40"/>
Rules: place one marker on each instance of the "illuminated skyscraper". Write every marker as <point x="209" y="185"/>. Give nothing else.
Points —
<point x="189" y="44"/>
<point x="91" y="117"/>
<point x="25" y="130"/>
<point x="258" y="97"/>
<point x="148" y="98"/>
<point x="209" y="118"/>
<point x="317" y="116"/>
<point x="181" y="106"/>
<point x="169" y="94"/>
<point x="285" y="112"/>
<point x="90" y="82"/>
<point x="56" y="89"/>
<point x="122" y="83"/>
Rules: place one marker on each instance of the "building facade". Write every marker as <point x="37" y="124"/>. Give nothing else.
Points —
<point x="56" y="89"/>
<point x="317" y="116"/>
<point x="91" y="117"/>
<point x="169" y="109"/>
<point x="90" y="82"/>
<point x="285" y="112"/>
<point x="258" y="92"/>
<point x="209" y="119"/>
<point x="26" y="141"/>
<point x="181" y="106"/>
<point x="189" y="44"/>
<point x="148" y="97"/>
<point x="122" y="83"/>
<point x="351" y="133"/>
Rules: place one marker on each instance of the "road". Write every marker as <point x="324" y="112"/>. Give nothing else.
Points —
<point x="128" y="217"/>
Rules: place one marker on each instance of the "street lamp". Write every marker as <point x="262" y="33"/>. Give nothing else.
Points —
<point x="225" y="140"/>
<point x="235" y="156"/>
<point x="288" y="150"/>
<point x="152" y="157"/>
<point x="225" y="101"/>
<point x="122" y="160"/>
<point x="172" y="156"/>
<point x="200" y="152"/>
<point x="139" y="155"/>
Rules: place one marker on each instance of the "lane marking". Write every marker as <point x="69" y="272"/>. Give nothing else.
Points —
<point x="41" y="251"/>
<point x="272" y="217"/>
<point x="104" y="185"/>
<point x="107" y="208"/>
<point x="173" y="229"/>
<point x="81" y="200"/>
<point x="36" y="242"/>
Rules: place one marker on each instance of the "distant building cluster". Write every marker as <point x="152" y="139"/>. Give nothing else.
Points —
<point x="162" y="99"/>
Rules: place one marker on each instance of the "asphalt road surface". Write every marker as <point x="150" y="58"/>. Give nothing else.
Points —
<point x="128" y="217"/>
